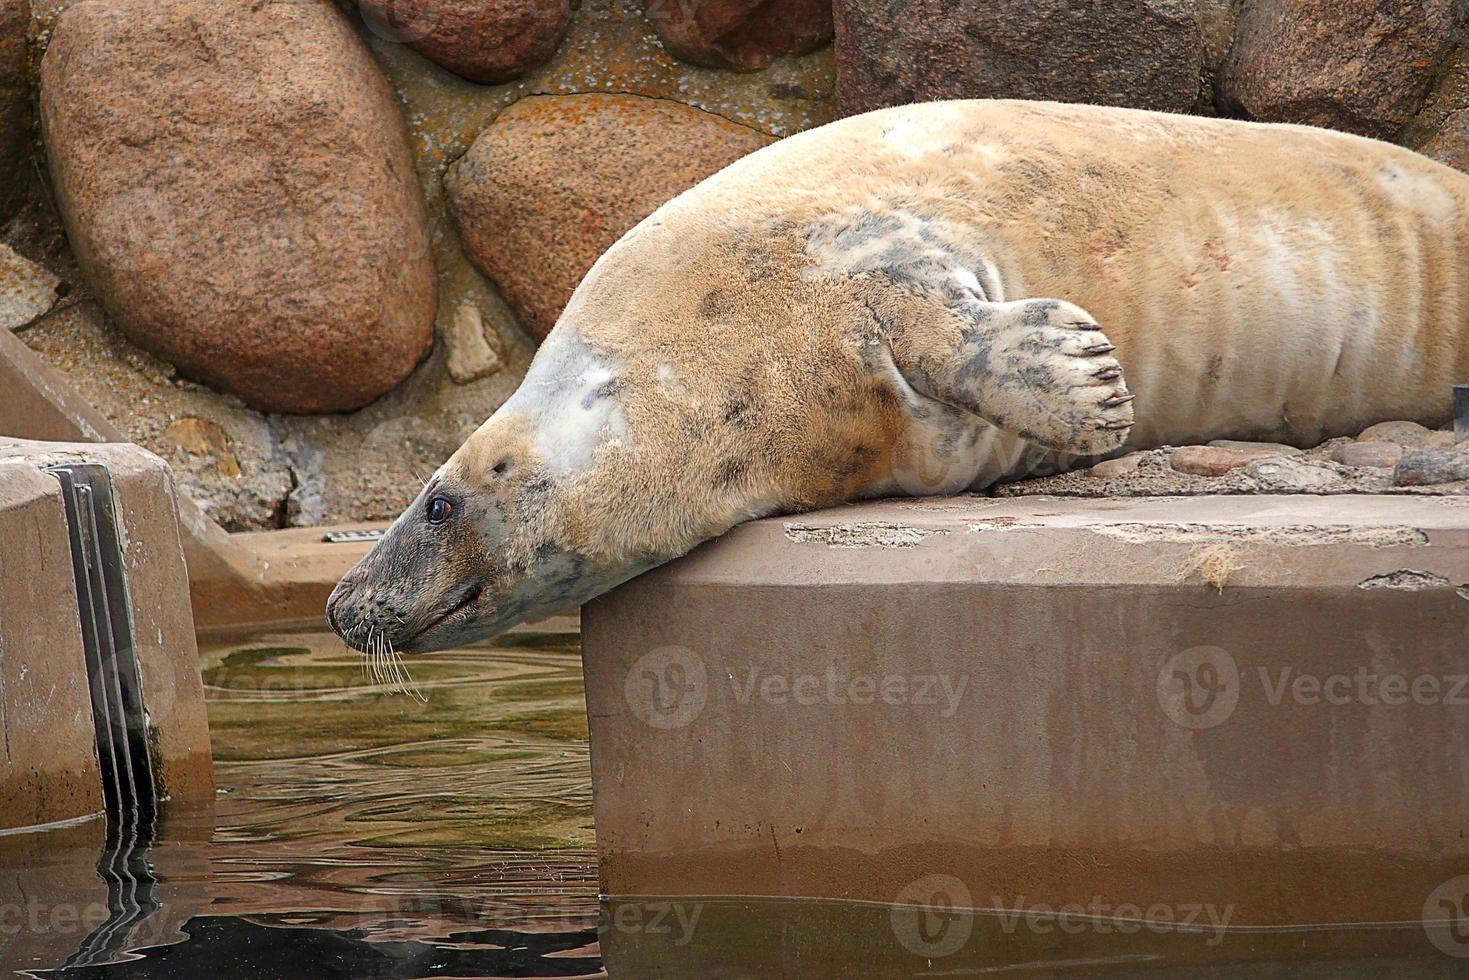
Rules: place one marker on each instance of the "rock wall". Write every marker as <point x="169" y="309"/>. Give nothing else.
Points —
<point x="257" y="214"/>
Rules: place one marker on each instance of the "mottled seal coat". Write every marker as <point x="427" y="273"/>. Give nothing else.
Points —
<point x="908" y="302"/>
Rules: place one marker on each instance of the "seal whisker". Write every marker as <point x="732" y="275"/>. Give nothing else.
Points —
<point x="375" y="642"/>
<point x="405" y="681"/>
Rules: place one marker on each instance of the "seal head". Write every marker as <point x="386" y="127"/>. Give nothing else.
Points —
<point x="499" y="535"/>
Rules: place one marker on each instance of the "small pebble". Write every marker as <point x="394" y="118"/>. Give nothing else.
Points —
<point x="1258" y="448"/>
<point x="1109" y="469"/>
<point x="1409" y="435"/>
<point x="1282" y="475"/>
<point x="1378" y="455"/>
<point x="1430" y="467"/>
<point x="1214" y="460"/>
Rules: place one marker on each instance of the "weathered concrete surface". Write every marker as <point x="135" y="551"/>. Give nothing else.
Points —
<point x="34" y="637"/>
<point x="37" y="403"/>
<point x="48" y="767"/>
<point x="1049" y="698"/>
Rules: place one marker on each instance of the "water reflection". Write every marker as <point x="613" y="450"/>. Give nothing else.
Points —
<point x="356" y="833"/>
<point x="798" y="939"/>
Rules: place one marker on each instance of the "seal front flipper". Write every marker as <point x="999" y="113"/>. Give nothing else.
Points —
<point x="1041" y="369"/>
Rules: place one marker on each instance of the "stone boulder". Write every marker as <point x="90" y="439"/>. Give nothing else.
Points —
<point x="1360" y="67"/>
<point x="482" y="40"/>
<point x="15" y="104"/>
<point x="1142" y="53"/>
<point x="556" y="180"/>
<point x="742" y="34"/>
<point x="1410" y="435"/>
<point x="1441" y="130"/>
<point x="1368" y="455"/>
<point x="236" y="183"/>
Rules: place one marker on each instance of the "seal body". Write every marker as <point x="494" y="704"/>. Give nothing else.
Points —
<point x="932" y="298"/>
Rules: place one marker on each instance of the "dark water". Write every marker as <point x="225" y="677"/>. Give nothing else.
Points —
<point x="364" y="834"/>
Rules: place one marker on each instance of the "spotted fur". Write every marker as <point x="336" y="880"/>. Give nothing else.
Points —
<point x="909" y="302"/>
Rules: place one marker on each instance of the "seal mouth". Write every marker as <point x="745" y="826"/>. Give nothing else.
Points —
<point x="470" y="598"/>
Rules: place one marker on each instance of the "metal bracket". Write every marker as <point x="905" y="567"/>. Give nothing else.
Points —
<point x="116" y="683"/>
<point x="348" y="537"/>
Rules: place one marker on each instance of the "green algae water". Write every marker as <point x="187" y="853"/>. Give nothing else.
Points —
<point x="357" y="831"/>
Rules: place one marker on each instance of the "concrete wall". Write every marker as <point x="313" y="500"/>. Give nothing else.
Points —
<point x="1255" y="703"/>
<point x="50" y="768"/>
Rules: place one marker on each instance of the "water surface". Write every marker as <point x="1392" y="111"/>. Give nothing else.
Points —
<point x="357" y="831"/>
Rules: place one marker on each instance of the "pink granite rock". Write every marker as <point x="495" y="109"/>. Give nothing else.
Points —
<point x="1215" y="460"/>
<point x="1110" y="469"/>
<point x="556" y="180"/>
<point x="1346" y="64"/>
<point x="236" y="183"/>
<point x="1410" y="435"/>
<point x="482" y="40"/>
<point x="742" y="34"/>
<point x="1368" y="455"/>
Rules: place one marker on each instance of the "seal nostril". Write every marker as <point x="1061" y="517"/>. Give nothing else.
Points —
<point x="334" y="604"/>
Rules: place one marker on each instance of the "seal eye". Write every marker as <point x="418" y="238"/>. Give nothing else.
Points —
<point x="439" y="510"/>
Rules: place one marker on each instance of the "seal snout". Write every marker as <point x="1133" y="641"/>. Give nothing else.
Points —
<point x="362" y="615"/>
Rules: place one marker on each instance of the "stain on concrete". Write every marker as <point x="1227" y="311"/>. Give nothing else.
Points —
<point x="1285" y="534"/>
<point x="1406" y="579"/>
<point x="873" y="534"/>
<point x="1000" y="524"/>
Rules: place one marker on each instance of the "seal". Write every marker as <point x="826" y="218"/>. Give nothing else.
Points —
<point x="926" y="299"/>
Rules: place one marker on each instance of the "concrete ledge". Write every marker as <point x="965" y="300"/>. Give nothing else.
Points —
<point x="47" y="696"/>
<point x="49" y="770"/>
<point x="1147" y="700"/>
